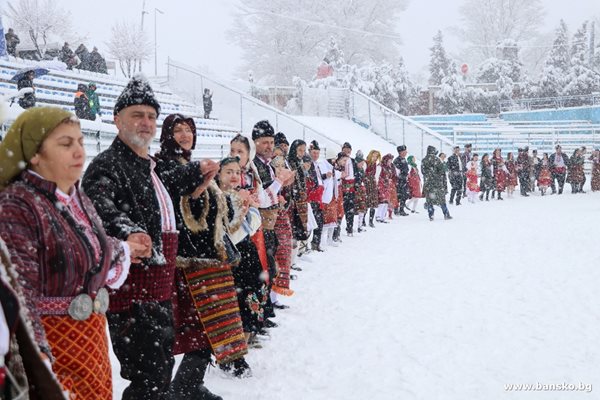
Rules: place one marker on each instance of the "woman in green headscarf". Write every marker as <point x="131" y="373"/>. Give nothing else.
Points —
<point x="61" y="254"/>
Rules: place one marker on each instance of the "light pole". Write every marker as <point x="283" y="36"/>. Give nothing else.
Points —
<point x="155" y="42"/>
<point x="144" y="12"/>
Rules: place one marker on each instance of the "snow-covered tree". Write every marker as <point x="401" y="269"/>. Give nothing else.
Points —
<point x="43" y="20"/>
<point x="449" y="99"/>
<point x="581" y="79"/>
<point x="129" y="45"/>
<point x="556" y="67"/>
<point x="334" y="56"/>
<point x="439" y="63"/>
<point x="283" y="39"/>
<point x="495" y="68"/>
<point x="484" y="23"/>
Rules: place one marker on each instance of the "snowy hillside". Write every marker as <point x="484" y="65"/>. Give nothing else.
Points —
<point x="344" y="130"/>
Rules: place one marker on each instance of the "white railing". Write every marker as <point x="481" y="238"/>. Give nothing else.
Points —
<point x="393" y="127"/>
<point x="239" y="108"/>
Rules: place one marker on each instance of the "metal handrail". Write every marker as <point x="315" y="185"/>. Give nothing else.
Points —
<point x="403" y="118"/>
<point x="249" y="98"/>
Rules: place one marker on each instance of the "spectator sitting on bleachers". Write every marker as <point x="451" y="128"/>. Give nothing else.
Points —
<point x="82" y="104"/>
<point x="93" y="100"/>
<point x="67" y="56"/>
<point x="27" y="96"/>
<point x="97" y="62"/>
<point x="84" y="57"/>
<point x="12" y="40"/>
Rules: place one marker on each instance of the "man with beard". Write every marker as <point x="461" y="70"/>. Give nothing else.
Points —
<point x="134" y="205"/>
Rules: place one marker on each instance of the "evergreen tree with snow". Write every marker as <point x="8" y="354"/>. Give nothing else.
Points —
<point x="403" y="87"/>
<point x="440" y="66"/>
<point x="334" y="55"/>
<point x="581" y="79"/>
<point x="556" y="67"/>
<point x="449" y="99"/>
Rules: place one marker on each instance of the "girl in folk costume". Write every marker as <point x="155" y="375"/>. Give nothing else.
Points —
<point x="268" y="199"/>
<point x="385" y="188"/>
<point x="545" y="175"/>
<point x="414" y="185"/>
<point x="472" y="177"/>
<point x="500" y="173"/>
<point x="595" y="158"/>
<point x="61" y="254"/>
<point x="205" y="305"/>
<point x="330" y="198"/>
<point x="361" y="191"/>
<point x="576" y="175"/>
<point x="512" y="178"/>
<point x="487" y="177"/>
<point x="244" y="221"/>
<point x="373" y="159"/>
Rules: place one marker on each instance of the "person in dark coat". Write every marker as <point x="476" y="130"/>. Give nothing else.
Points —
<point x="178" y="139"/>
<point x="523" y="170"/>
<point x="455" y="172"/>
<point x="84" y="57"/>
<point x="402" y="186"/>
<point x="559" y="163"/>
<point x="133" y="203"/>
<point x="82" y="103"/>
<point x="12" y="40"/>
<point x="207" y="103"/>
<point x="67" y="56"/>
<point x="97" y="62"/>
<point x="434" y="174"/>
<point x="27" y="99"/>
<point x="465" y="158"/>
<point x="576" y="174"/>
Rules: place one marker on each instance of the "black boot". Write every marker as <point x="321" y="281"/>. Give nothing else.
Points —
<point x="188" y="381"/>
<point x="487" y="195"/>
<point x="371" y="216"/>
<point x="452" y="193"/>
<point x="500" y="196"/>
<point x="494" y="194"/>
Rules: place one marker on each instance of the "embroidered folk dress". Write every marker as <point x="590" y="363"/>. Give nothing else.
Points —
<point x="60" y="250"/>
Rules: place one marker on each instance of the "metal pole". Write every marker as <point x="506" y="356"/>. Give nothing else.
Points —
<point x="241" y="114"/>
<point x="369" y="103"/>
<point x="422" y="143"/>
<point x="144" y="12"/>
<point x="155" y="43"/>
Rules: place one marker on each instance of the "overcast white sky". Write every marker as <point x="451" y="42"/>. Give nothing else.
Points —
<point x="194" y="31"/>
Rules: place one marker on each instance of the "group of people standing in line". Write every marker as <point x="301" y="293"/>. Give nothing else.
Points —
<point x="470" y="176"/>
<point x="177" y="256"/>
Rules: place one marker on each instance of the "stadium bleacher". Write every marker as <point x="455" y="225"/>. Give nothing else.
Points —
<point x="58" y="88"/>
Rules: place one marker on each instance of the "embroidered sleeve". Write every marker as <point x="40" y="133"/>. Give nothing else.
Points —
<point x="18" y="230"/>
<point x="269" y="197"/>
<point x="120" y="267"/>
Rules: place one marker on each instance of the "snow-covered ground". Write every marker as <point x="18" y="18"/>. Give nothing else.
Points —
<point x="505" y="293"/>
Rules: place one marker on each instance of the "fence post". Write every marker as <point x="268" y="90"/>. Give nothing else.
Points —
<point x="304" y="133"/>
<point x="403" y="132"/>
<point x="422" y="143"/>
<point x="241" y="114"/>
<point x="277" y="122"/>
<point x="370" y="123"/>
<point x="385" y="124"/>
